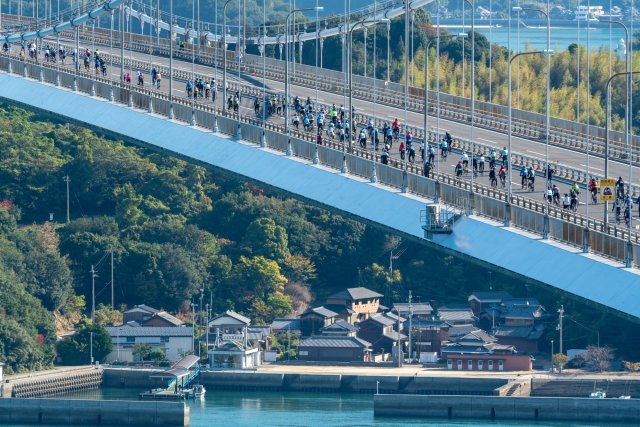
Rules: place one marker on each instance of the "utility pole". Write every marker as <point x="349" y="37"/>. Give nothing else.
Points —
<point x="200" y="319"/>
<point x="93" y="293"/>
<point x="398" y="349"/>
<point x="561" y="313"/>
<point x="410" y="326"/>
<point x="112" y="283"/>
<point x="67" y="179"/>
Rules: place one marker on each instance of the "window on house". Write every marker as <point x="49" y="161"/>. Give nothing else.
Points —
<point x="449" y="364"/>
<point x="459" y="365"/>
<point x="131" y="339"/>
<point x="164" y="339"/>
<point x="501" y="365"/>
<point x="469" y="365"/>
<point x="480" y="365"/>
<point x="491" y="365"/>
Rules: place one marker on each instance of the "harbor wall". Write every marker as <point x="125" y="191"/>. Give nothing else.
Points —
<point x="51" y="383"/>
<point x="251" y="380"/>
<point x="508" y="408"/>
<point x="129" y="378"/>
<point x="93" y="412"/>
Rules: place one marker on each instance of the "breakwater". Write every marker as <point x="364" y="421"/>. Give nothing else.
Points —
<point x="93" y="412"/>
<point x="350" y="383"/>
<point x="509" y="408"/>
<point x="51" y="383"/>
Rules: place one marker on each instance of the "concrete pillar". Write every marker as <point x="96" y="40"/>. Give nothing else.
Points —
<point x="215" y="124"/>
<point x="545" y="226"/>
<point x="404" y="181"/>
<point x="239" y="133"/>
<point x="436" y="197"/>
<point x="472" y="203"/>
<point x="321" y="48"/>
<point x="92" y="91"/>
<point x="289" y="151"/>
<point x="263" y="140"/>
<point x="585" y="240"/>
<point x="150" y="106"/>
<point x="300" y="44"/>
<point x="507" y="215"/>
<point x="628" y="254"/>
<point x="170" y="116"/>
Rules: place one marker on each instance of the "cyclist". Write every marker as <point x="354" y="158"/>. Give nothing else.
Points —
<point x="503" y="176"/>
<point x="531" y="176"/>
<point x="432" y="155"/>
<point x="458" y="169"/>
<point x="492" y="177"/>
<point x="443" y="148"/>
<point x="492" y="158"/>
<point x="548" y="193"/>
<point x="363" y="138"/>
<point x="306" y="123"/>
<point x="556" y="195"/>
<point x="481" y="163"/>
<point x="565" y="202"/>
<point x="620" y="187"/>
<point x="296" y="120"/>
<point x="574" y="200"/>
<point x="504" y="155"/>
<point x="593" y="189"/>
<point x="523" y="177"/>
<point x="395" y="127"/>
<point x="575" y="188"/>
<point x="465" y="160"/>
<point x="402" y="150"/>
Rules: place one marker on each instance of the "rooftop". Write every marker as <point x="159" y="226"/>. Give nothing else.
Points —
<point x="420" y="309"/>
<point x="321" y="311"/>
<point x="341" y="325"/>
<point x="354" y="294"/>
<point x="382" y="319"/>
<point x="285" y="325"/>
<point x="456" y="315"/>
<point x="150" y="331"/>
<point x="490" y="296"/>
<point x="143" y="307"/>
<point x="528" y="332"/>
<point x="334" y="342"/>
<point x="168" y="317"/>
<point x="232" y="314"/>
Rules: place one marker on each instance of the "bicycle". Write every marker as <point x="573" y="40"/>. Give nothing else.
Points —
<point x="594" y="196"/>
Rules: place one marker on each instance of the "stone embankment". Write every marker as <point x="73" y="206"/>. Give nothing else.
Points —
<point x="509" y="408"/>
<point x="54" y="382"/>
<point x="93" y="412"/>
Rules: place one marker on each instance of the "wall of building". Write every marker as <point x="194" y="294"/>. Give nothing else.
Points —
<point x="483" y="362"/>
<point x="127" y="377"/>
<point x="508" y="408"/>
<point x="93" y="412"/>
<point x="331" y="354"/>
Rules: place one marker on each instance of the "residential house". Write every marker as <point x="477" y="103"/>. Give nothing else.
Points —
<point x="279" y="326"/>
<point x="354" y="304"/>
<point x="481" y="302"/>
<point x="478" y="351"/>
<point x="230" y="342"/>
<point x="456" y="315"/>
<point x="326" y="348"/>
<point x="526" y="339"/>
<point x="174" y="342"/>
<point x="340" y="328"/>
<point x="314" y="319"/>
<point x="419" y="310"/>
<point x="379" y="331"/>
<point x="162" y="319"/>
<point x="138" y="314"/>
<point x="429" y="335"/>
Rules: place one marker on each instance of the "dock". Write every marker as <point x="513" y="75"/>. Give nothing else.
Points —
<point x="174" y="381"/>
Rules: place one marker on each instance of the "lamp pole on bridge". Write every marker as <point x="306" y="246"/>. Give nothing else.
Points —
<point x="224" y="54"/>
<point x="507" y="217"/>
<point x="286" y="66"/>
<point x="628" y="247"/>
<point x="171" y="60"/>
<point x="473" y="86"/>
<point x="355" y="26"/>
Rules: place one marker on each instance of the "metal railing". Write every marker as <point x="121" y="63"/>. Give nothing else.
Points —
<point x="567" y="227"/>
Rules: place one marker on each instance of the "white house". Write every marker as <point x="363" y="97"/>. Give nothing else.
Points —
<point x="230" y="344"/>
<point x="175" y="342"/>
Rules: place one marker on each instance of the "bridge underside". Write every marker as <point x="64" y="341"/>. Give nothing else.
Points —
<point x="476" y="239"/>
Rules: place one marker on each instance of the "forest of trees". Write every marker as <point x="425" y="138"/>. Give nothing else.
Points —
<point x="176" y="228"/>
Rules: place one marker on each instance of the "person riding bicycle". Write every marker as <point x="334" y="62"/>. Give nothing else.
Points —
<point x="481" y="163"/>
<point x="620" y="187"/>
<point x="531" y="176"/>
<point x="402" y="150"/>
<point x="492" y="158"/>
<point x="492" y="177"/>
<point x="458" y="169"/>
<point x="565" y="201"/>
<point x="504" y="154"/>
<point x="443" y="148"/>
<point x="574" y="200"/>
<point x="524" y="172"/>
<point x="548" y="193"/>
<point x="465" y="160"/>
<point x="593" y="187"/>
<point x="296" y="120"/>
<point x="556" y="194"/>
<point x="503" y="175"/>
<point x="575" y="188"/>
<point x="363" y="138"/>
<point x="447" y="137"/>
<point x="395" y="127"/>
<point x="627" y="214"/>
<point x="432" y="154"/>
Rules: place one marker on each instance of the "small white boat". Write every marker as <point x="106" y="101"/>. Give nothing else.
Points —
<point x="625" y="397"/>
<point x="198" y="391"/>
<point x="598" y="395"/>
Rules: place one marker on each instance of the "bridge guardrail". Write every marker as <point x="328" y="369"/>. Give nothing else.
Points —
<point x="609" y="241"/>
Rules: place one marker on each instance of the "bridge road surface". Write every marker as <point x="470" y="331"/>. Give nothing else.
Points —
<point x="528" y="147"/>
<point x="531" y="148"/>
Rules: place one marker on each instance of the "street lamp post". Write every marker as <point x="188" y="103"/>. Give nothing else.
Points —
<point x="350" y="63"/>
<point x="224" y="54"/>
<point x="507" y="217"/>
<point x="629" y="74"/>
<point x="627" y="68"/>
<point x="286" y="65"/>
<point x="473" y="87"/>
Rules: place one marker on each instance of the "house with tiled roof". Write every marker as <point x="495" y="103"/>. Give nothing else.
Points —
<point x="174" y="342"/>
<point x="358" y="303"/>
<point x="379" y="331"/>
<point x="325" y="348"/>
<point x="314" y="319"/>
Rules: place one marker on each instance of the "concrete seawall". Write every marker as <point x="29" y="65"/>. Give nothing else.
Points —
<point x="513" y="408"/>
<point x="128" y="377"/>
<point x="93" y="412"/>
<point x="237" y="380"/>
<point x="51" y="383"/>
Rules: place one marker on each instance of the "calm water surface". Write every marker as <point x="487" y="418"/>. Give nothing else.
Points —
<point x="266" y="409"/>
